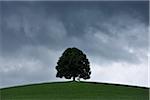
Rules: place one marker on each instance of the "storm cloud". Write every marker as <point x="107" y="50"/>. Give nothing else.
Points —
<point x="114" y="35"/>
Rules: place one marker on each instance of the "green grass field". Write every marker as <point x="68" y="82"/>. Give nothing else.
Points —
<point x="74" y="91"/>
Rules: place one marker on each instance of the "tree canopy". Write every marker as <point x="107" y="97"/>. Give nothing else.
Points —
<point x="73" y="63"/>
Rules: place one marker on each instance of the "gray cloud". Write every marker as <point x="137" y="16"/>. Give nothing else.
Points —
<point x="32" y="64"/>
<point x="34" y="34"/>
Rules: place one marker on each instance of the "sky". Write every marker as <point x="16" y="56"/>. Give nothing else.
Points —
<point x="113" y="35"/>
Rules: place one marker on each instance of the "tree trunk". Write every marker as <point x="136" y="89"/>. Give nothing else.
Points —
<point x="74" y="79"/>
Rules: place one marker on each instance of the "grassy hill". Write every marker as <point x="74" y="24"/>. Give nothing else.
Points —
<point x="75" y="91"/>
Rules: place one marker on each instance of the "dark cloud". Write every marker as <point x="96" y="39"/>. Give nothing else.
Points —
<point x="36" y="33"/>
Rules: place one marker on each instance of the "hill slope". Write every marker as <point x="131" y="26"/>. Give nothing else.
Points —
<point x="74" y="91"/>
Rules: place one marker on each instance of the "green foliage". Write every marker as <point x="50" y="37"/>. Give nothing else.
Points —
<point x="73" y="63"/>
